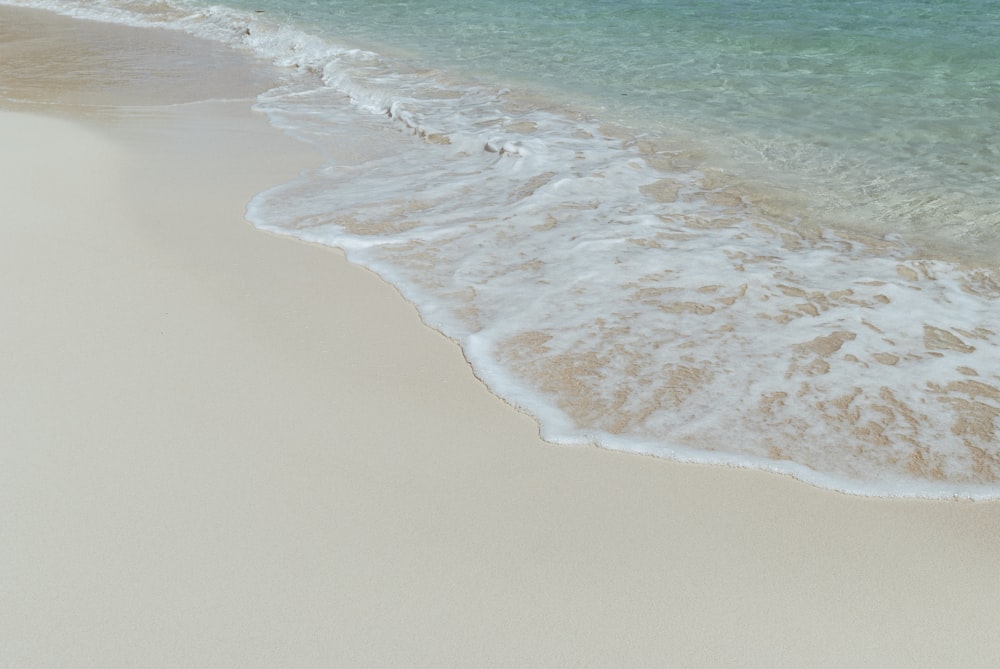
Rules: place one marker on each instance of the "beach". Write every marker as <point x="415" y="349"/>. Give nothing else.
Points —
<point x="223" y="448"/>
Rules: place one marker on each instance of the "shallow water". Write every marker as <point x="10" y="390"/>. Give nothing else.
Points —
<point x="754" y="233"/>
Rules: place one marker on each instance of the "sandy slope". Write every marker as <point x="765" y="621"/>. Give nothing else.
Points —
<point x="223" y="449"/>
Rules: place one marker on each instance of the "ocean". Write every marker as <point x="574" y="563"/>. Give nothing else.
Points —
<point x="757" y="233"/>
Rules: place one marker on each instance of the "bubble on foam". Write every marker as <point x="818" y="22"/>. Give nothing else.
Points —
<point x="652" y="311"/>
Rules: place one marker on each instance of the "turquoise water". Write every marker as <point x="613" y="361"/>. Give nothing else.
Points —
<point x="883" y="112"/>
<point x="762" y="234"/>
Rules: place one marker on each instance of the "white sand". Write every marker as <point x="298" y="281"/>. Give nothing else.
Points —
<point x="223" y="449"/>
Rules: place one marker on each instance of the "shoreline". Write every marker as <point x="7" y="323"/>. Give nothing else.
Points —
<point x="890" y="411"/>
<point x="224" y="448"/>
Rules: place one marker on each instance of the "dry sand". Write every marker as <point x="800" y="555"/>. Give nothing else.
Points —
<point x="220" y="448"/>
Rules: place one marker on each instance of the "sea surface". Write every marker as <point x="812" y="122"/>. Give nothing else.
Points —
<point x="761" y="233"/>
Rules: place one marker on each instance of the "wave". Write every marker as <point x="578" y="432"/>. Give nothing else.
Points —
<point x="619" y="288"/>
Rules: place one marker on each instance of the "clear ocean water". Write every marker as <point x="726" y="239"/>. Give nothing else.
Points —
<point x="760" y="233"/>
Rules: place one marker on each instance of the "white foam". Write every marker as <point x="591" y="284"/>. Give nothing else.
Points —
<point x="690" y="328"/>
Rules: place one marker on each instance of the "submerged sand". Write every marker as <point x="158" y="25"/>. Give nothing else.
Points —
<point x="222" y="448"/>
